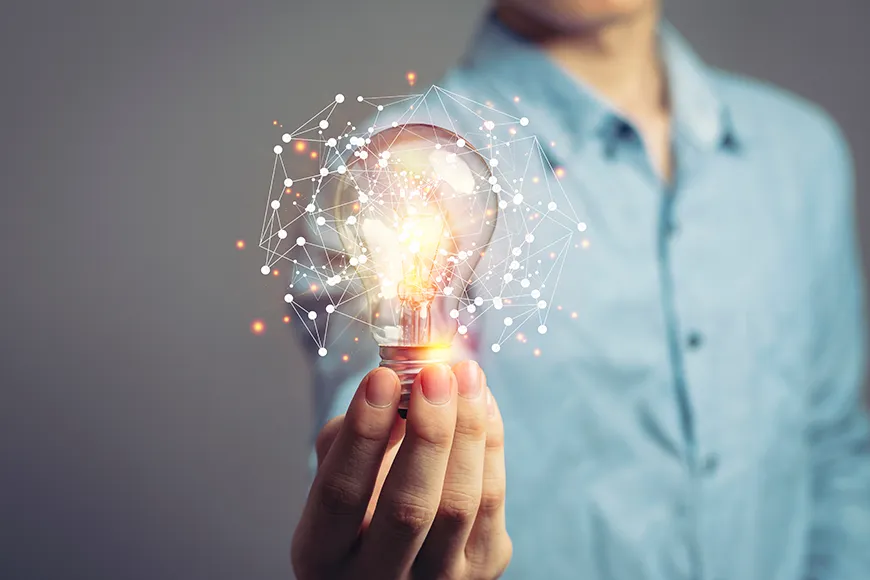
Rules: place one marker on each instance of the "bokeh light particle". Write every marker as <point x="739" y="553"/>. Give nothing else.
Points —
<point x="258" y="327"/>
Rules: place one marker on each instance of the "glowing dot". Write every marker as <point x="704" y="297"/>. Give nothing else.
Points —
<point x="542" y="329"/>
<point x="265" y="270"/>
<point x="581" y="227"/>
<point x="359" y="99"/>
<point x="331" y="142"/>
<point x="312" y="315"/>
<point x="330" y="308"/>
<point x="412" y="77"/>
<point x="380" y="107"/>
<point x="471" y="308"/>
<point x="310" y="208"/>
<point x="460" y="143"/>
<point x="478" y="301"/>
<point x="508" y="277"/>
<point x="300" y="146"/>
<point x="584" y="244"/>
<point x="258" y="327"/>
<point x="324" y="124"/>
<point x="324" y="171"/>
<point x="515" y="265"/>
<point x="524" y="121"/>
<point x="525" y="282"/>
<point x="300" y="241"/>
<point x="339" y="98"/>
<point x="288" y="298"/>
<point x="542" y="304"/>
<point x="508" y="321"/>
<point x="286" y="319"/>
<point x="341" y="169"/>
<point x="536" y="293"/>
<point x="286" y="137"/>
<point x="551" y="206"/>
<point x="278" y="149"/>
<point x="518" y="198"/>
<point x="537" y="352"/>
<point x="320" y="220"/>
<point x="496" y="188"/>
<point x="351" y="220"/>
<point x="345" y="357"/>
<point x="489" y="125"/>
<point x="454" y="313"/>
<point x="321" y="351"/>
<point x="275" y="272"/>
<point x="497" y="303"/>
<point x="288" y="182"/>
<point x="282" y="234"/>
<point x="275" y="204"/>
<point x="492" y="180"/>
<point x="573" y="315"/>
<point x="560" y="173"/>
<point x="502" y="204"/>
<point x="530" y="238"/>
<point x="493" y="162"/>
<point x="462" y="329"/>
<point x="496" y="347"/>
<point x="240" y="244"/>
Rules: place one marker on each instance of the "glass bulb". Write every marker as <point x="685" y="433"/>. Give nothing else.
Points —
<point x="415" y="212"/>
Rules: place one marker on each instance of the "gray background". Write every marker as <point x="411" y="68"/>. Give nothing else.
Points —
<point x="144" y="431"/>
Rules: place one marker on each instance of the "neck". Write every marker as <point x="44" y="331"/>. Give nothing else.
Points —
<point x="617" y="58"/>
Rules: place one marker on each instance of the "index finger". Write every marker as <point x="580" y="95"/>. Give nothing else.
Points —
<point x="344" y="482"/>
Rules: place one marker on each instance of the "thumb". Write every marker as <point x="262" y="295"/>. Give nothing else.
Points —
<point x="326" y="438"/>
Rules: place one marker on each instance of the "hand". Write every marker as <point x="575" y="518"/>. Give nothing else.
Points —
<point x="422" y="498"/>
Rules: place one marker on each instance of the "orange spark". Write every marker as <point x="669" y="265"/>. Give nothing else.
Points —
<point x="300" y="146"/>
<point x="345" y="357"/>
<point x="275" y="122"/>
<point x="412" y="78"/>
<point x="313" y="155"/>
<point x="258" y="327"/>
<point x="287" y="191"/>
<point x="356" y="339"/>
<point x="276" y="272"/>
<point x="314" y="287"/>
<point x="560" y="172"/>
<point x="240" y="244"/>
<point x="286" y="320"/>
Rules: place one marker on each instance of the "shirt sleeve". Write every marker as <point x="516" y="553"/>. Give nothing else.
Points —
<point x="838" y="430"/>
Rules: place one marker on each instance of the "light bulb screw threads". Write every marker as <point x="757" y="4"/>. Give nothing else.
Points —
<point x="407" y="361"/>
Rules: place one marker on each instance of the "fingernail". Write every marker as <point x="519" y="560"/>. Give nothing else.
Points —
<point x="490" y="405"/>
<point x="380" y="388"/>
<point x="469" y="380"/>
<point x="435" y="384"/>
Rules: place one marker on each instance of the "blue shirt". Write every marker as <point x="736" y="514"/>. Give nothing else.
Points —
<point x="701" y="417"/>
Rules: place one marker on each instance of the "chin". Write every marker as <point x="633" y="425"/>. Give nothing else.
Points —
<point x="580" y="14"/>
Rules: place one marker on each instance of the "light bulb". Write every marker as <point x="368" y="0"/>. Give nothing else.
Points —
<point x="415" y="210"/>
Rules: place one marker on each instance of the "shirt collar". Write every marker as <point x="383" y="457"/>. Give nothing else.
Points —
<point x="565" y="112"/>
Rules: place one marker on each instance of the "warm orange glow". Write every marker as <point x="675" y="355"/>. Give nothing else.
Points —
<point x="276" y="273"/>
<point x="535" y="179"/>
<point x="258" y="327"/>
<point x="516" y="99"/>
<point x="573" y="315"/>
<point x="512" y="131"/>
<point x="345" y="357"/>
<point x="313" y="155"/>
<point x="300" y="146"/>
<point x="560" y="172"/>
<point x="314" y="287"/>
<point x="288" y="191"/>
<point x="537" y="352"/>
<point x="286" y="320"/>
<point x="356" y="339"/>
<point x="356" y="207"/>
<point x="240" y="244"/>
<point x="412" y="78"/>
<point x="275" y="122"/>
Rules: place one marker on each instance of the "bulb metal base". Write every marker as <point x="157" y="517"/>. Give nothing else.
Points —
<point x="407" y="362"/>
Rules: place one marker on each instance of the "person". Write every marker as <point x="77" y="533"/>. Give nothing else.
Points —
<point x="701" y="417"/>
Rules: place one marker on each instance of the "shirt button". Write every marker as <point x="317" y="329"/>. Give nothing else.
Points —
<point x="710" y="464"/>
<point x="694" y="340"/>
